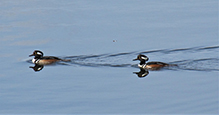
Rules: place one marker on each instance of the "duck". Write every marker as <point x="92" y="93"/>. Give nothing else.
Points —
<point x="44" y="60"/>
<point x="150" y="65"/>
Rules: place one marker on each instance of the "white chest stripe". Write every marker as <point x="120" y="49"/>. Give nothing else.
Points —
<point x="36" y="61"/>
<point x="142" y="66"/>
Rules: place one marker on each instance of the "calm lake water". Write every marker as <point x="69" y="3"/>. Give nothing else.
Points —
<point x="101" y="38"/>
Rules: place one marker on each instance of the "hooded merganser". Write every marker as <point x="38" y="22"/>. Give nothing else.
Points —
<point x="149" y="65"/>
<point x="44" y="60"/>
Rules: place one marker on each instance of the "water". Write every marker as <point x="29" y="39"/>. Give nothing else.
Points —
<point x="101" y="38"/>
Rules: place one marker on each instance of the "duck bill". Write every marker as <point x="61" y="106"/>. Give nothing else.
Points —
<point x="31" y="55"/>
<point x="135" y="59"/>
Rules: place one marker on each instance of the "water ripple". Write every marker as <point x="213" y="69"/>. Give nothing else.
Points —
<point x="196" y="59"/>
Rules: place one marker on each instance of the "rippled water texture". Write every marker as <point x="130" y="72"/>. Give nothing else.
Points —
<point x="202" y="63"/>
<point x="101" y="38"/>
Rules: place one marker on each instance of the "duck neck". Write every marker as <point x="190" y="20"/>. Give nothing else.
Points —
<point x="142" y="62"/>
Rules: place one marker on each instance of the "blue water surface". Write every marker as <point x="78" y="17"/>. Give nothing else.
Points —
<point x="101" y="38"/>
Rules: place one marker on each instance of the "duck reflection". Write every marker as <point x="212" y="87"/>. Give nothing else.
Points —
<point x="37" y="67"/>
<point x="142" y="73"/>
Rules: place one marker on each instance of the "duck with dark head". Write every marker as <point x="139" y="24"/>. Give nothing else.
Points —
<point x="150" y="65"/>
<point x="44" y="60"/>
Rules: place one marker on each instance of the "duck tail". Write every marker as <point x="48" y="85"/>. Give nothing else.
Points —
<point x="66" y="60"/>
